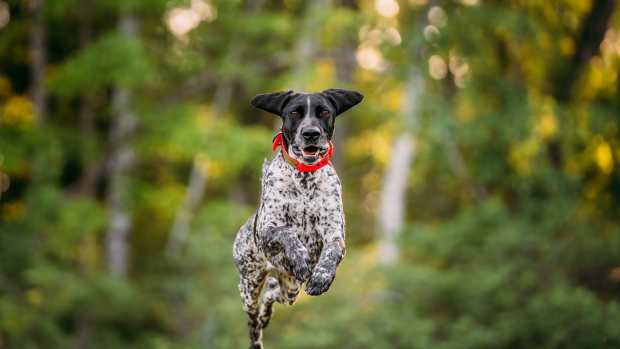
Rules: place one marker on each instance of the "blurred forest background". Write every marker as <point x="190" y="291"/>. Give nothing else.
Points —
<point x="481" y="174"/>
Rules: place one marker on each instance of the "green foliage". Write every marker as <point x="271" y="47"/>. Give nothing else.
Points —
<point x="490" y="278"/>
<point x="511" y="237"/>
<point x="112" y="59"/>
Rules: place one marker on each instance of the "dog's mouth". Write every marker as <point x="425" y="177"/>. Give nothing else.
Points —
<point x="309" y="153"/>
<point x="311" y="150"/>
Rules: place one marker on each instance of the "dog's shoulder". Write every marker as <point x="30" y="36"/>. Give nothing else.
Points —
<point x="276" y="174"/>
<point x="264" y="172"/>
<point x="266" y="164"/>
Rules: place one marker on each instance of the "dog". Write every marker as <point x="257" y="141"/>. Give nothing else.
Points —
<point x="297" y="234"/>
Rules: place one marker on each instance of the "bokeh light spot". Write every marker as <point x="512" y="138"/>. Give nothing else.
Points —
<point x="469" y="2"/>
<point x="459" y="68"/>
<point x="431" y="33"/>
<point x="387" y="8"/>
<point x="437" y="16"/>
<point x="437" y="67"/>
<point x="182" y="20"/>
<point x="5" y="14"/>
<point x="368" y="57"/>
<point x="393" y="36"/>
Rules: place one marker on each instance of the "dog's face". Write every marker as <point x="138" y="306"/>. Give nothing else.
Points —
<point x="307" y="118"/>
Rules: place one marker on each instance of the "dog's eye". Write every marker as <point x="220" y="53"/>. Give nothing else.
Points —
<point x="294" y="114"/>
<point x="325" y="114"/>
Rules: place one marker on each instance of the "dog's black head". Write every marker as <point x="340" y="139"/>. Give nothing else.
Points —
<point x="307" y="118"/>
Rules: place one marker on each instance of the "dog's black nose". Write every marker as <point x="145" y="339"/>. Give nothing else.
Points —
<point x="311" y="133"/>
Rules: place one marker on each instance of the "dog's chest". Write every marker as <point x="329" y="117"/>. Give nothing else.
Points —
<point x="308" y="203"/>
<point x="304" y="212"/>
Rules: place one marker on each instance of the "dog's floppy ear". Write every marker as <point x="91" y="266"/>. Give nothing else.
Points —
<point x="272" y="102"/>
<point x="342" y="99"/>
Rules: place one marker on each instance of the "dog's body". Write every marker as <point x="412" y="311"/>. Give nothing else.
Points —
<point x="300" y="216"/>
<point x="297" y="234"/>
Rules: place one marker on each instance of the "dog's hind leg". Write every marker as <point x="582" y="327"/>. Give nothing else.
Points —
<point x="250" y="287"/>
<point x="271" y="295"/>
<point x="289" y="289"/>
<point x="283" y="290"/>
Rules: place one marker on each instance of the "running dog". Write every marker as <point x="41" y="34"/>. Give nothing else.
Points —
<point x="297" y="234"/>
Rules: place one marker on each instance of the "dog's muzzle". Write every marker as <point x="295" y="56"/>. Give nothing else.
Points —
<point x="310" y="145"/>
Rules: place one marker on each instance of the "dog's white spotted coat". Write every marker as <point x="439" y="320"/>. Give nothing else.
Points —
<point x="298" y="237"/>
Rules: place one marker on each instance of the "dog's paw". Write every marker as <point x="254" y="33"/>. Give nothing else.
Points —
<point x="319" y="282"/>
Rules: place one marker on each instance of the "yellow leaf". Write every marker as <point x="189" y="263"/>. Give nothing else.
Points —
<point x="392" y="99"/>
<point x="547" y="125"/>
<point x="18" y="111"/>
<point x="604" y="158"/>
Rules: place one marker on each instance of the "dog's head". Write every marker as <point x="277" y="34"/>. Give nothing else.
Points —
<point x="307" y="118"/>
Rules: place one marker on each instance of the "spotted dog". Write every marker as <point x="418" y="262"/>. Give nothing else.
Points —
<point x="297" y="234"/>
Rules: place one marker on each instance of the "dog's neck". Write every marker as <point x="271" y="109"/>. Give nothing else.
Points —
<point x="301" y="180"/>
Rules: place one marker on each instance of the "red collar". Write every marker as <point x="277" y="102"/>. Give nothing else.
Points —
<point x="278" y="141"/>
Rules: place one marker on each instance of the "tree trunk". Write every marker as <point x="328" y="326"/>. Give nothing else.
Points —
<point x="90" y="166"/>
<point x="120" y="163"/>
<point x="198" y="177"/>
<point x="88" y="178"/>
<point x="38" y="56"/>
<point x="588" y="44"/>
<point x="183" y="218"/>
<point x="393" y="195"/>
<point x="392" y="202"/>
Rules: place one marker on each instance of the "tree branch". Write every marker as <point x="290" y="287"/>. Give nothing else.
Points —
<point x="592" y="33"/>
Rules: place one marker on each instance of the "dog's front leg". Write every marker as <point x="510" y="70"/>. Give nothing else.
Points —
<point x="325" y="271"/>
<point x="279" y="240"/>
<point x="332" y="233"/>
<point x="333" y="250"/>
